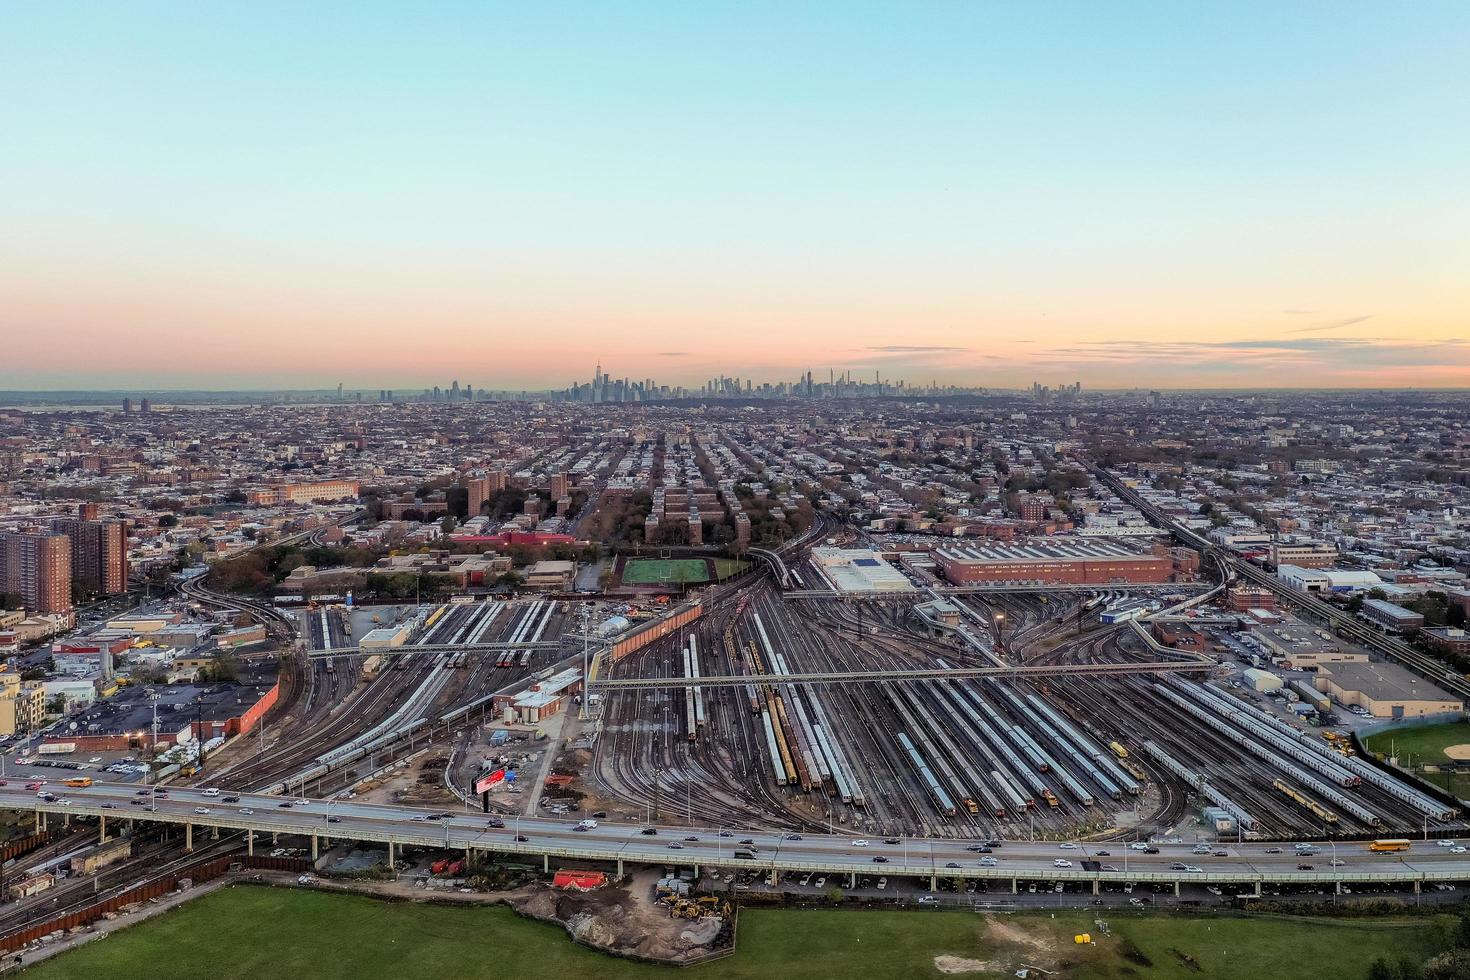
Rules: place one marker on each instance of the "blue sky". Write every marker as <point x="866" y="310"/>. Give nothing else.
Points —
<point x="753" y="188"/>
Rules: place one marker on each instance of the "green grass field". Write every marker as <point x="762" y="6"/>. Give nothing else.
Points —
<point x="665" y="571"/>
<point x="253" y="932"/>
<point x="1425" y="744"/>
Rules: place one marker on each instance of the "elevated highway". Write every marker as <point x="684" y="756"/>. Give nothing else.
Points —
<point x="617" y="844"/>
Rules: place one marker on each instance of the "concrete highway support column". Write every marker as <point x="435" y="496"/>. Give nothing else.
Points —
<point x="934" y="883"/>
<point x="250" y="843"/>
<point x="66" y="819"/>
<point x="392" y="860"/>
<point x="1258" y="889"/>
<point x="852" y="879"/>
<point x="1337" y="888"/>
<point x="188" y="837"/>
<point x="620" y="867"/>
<point x="1416" y="888"/>
<point x="314" y="847"/>
<point x="1176" y="889"/>
<point x="102" y="829"/>
<point x="1015" y="886"/>
<point x="214" y="832"/>
<point x="546" y="864"/>
<point x="1096" y="887"/>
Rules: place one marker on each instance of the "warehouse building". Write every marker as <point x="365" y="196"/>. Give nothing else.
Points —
<point x="859" y="570"/>
<point x="1393" y="618"/>
<point x="1386" y="690"/>
<point x="1056" y="561"/>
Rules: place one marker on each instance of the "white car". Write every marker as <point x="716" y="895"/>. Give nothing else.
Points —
<point x="1061" y="863"/>
<point x="1449" y="843"/>
<point x="211" y="792"/>
<point x="987" y="862"/>
<point x="201" y="809"/>
<point x="1458" y="849"/>
<point x="246" y="811"/>
<point x="1194" y="869"/>
<point x="859" y="843"/>
<point x="1138" y="845"/>
<point x="1068" y="846"/>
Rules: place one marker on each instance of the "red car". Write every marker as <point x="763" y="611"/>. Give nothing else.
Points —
<point x="33" y="785"/>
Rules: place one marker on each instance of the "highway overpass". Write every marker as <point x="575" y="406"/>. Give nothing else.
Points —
<point x="617" y="844"/>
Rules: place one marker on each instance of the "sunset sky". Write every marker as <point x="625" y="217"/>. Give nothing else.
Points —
<point x="211" y="195"/>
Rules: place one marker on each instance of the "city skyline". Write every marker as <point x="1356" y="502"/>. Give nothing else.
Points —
<point x="1251" y="196"/>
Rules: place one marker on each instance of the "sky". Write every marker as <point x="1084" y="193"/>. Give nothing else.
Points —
<point x="210" y="195"/>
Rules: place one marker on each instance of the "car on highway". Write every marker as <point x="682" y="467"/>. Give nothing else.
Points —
<point x="726" y="833"/>
<point x="1102" y="854"/>
<point x="1221" y="854"/>
<point x="64" y="802"/>
<point x="495" y="822"/>
<point x="232" y="798"/>
<point x="749" y="841"/>
<point x="1061" y="863"/>
<point x="1337" y="862"/>
<point x="879" y="859"/>
<point x="979" y="848"/>
<point x="892" y="840"/>
<point x="210" y="792"/>
<point x="675" y="846"/>
<point x="1194" y="869"/>
<point x="109" y="806"/>
<point x="286" y="805"/>
<point x="646" y="831"/>
<point x="1458" y="849"/>
<point x="1137" y="845"/>
<point x="137" y="802"/>
<point x="201" y="809"/>
<point x="1067" y="845"/>
<point x="1150" y="850"/>
<point x="988" y="862"/>
<point x="246" y="811"/>
<point x="952" y="864"/>
<point x="1273" y="850"/>
<point x="1109" y="867"/>
<point x="1177" y="866"/>
<point x="1448" y="843"/>
<point x="859" y="843"/>
<point x="792" y="837"/>
<point x="333" y="818"/>
<point x="692" y="839"/>
<point x="521" y="838"/>
<point x="1304" y="867"/>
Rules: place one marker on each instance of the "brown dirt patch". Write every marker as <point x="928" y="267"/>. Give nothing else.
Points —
<point x="1461" y="751"/>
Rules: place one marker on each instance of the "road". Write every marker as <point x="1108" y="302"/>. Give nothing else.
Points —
<point x="622" y="842"/>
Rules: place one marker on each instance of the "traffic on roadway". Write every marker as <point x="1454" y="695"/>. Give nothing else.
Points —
<point x="1337" y="861"/>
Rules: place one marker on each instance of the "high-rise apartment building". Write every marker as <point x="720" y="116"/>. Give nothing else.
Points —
<point x="36" y="565"/>
<point x="99" y="552"/>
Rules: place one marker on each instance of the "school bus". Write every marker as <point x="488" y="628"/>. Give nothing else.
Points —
<point x="77" y="781"/>
<point x="1387" y="846"/>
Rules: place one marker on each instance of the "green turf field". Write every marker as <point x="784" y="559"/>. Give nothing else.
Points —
<point x="1424" y="744"/>
<point x="665" y="571"/>
<point x="252" y="932"/>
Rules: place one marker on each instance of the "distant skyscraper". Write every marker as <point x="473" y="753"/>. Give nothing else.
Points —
<point x="127" y="405"/>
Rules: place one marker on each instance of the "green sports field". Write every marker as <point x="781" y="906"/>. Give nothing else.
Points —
<point x="665" y="571"/>
<point x="247" y="932"/>
<point x="1424" y="744"/>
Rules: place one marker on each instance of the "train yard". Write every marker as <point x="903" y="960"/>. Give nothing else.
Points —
<point x="1104" y="757"/>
